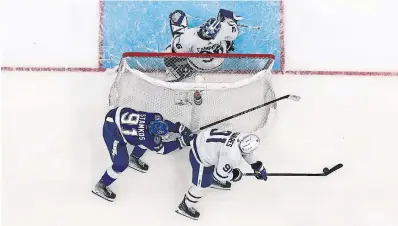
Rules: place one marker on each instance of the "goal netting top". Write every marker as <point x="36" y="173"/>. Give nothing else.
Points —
<point x="196" y="89"/>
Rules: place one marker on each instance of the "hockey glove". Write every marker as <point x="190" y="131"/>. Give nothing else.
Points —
<point x="186" y="140"/>
<point x="223" y="14"/>
<point x="259" y="170"/>
<point x="237" y="175"/>
<point x="183" y="130"/>
<point x="230" y="46"/>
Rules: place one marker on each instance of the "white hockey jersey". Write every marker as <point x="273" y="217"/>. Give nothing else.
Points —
<point x="213" y="147"/>
<point x="190" y="42"/>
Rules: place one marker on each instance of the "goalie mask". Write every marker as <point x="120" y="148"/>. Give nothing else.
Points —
<point x="210" y="29"/>
<point x="158" y="128"/>
<point x="248" y="143"/>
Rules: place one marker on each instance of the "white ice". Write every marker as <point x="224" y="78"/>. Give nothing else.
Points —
<point x="53" y="154"/>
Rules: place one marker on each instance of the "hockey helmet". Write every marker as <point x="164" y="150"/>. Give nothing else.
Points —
<point x="210" y="28"/>
<point x="158" y="127"/>
<point x="248" y="143"/>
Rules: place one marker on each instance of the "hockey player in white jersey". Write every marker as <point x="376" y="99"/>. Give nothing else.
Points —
<point x="214" y="157"/>
<point x="214" y="36"/>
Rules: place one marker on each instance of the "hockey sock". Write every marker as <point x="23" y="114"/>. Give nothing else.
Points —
<point x="109" y="176"/>
<point x="193" y="196"/>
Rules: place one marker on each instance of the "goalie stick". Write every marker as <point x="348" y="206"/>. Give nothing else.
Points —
<point x="291" y="97"/>
<point x="250" y="27"/>
<point x="326" y="172"/>
<point x="239" y="25"/>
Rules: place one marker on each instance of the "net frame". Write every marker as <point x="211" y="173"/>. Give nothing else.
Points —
<point x="182" y="86"/>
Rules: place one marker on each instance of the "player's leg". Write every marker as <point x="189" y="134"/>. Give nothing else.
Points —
<point x="135" y="162"/>
<point x="118" y="153"/>
<point x="178" y="22"/>
<point x="202" y="177"/>
<point x="177" y="69"/>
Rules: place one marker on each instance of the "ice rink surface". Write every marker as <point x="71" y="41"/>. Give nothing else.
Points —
<point x="53" y="153"/>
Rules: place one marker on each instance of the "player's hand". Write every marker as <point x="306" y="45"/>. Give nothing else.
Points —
<point x="259" y="170"/>
<point x="237" y="175"/>
<point x="230" y="46"/>
<point x="183" y="130"/>
<point x="186" y="140"/>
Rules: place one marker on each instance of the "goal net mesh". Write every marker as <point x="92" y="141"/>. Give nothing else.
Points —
<point x="204" y="89"/>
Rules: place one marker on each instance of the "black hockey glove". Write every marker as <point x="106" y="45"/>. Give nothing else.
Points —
<point x="230" y="46"/>
<point x="237" y="175"/>
<point x="186" y="140"/>
<point x="259" y="170"/>
<point x="183" y="130"/>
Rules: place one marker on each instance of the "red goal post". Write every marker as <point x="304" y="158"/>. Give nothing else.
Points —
<point x="218" y="86"/>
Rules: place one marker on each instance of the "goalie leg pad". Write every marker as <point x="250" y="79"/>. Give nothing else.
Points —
<point x="178" y="22"/>
<point x="179" y="68"/>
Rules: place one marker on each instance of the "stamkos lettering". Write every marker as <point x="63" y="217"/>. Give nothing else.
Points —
<point x="231" y="140"/>
<point x="141" y="127"/>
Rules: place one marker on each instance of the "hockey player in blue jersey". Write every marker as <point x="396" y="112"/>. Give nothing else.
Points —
<point x="144" y="130"/>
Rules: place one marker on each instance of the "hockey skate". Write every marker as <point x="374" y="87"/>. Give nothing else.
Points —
<point x="221" y="185"/>
<point x="138" y="165"/>
<point x="104" y="192"/>
<point x="184" y="210"/>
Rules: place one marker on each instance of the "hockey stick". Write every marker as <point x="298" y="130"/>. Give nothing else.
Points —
<point x="250" y="27"/>
<point x="239" y="25"/>
<point x="326" y="172"/>
<point x="291" y="97"/>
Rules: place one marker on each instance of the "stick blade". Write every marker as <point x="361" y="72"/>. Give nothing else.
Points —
<point x="334" y="168"/>
<point x="294" y="97"/>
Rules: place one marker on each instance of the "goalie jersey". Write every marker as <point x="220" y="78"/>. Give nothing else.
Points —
<point x="190" y="42"/>
<point x="219" y="148"/>
<point x="214" y="36"/>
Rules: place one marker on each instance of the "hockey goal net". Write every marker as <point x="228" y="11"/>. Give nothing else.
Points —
<point x="209" y="88"/>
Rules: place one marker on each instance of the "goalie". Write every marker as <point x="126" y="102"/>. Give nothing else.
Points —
<point x="214" y="36"/>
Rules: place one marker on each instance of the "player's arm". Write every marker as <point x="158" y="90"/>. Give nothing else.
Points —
<point x="166" y="147"/>
<point x="178" y="127"/>
<point x="182" y="43"/>
<point x="170" y="146"/>
<point x="226" y="169"/>
<point x="229" y="28"/>
<point x="257" y="166"/>
<point x="250" y="158"/>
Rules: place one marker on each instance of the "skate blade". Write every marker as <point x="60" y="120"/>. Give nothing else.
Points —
<point x="185" y="215"/>
<point x="219" y="188"/>
<point x="104" y="197"/>
<point x="138" y="169"/>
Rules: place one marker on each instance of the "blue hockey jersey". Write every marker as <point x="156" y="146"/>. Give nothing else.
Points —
<point x="132" y="128"/>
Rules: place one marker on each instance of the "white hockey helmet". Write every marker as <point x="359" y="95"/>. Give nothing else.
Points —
<point x="248" y="143"/>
